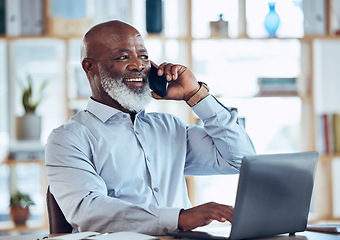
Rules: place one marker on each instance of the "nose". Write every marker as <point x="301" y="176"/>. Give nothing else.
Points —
<point x="136" y="64"/>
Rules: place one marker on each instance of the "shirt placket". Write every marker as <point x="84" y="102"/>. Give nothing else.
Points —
<point x="154" y="183"/>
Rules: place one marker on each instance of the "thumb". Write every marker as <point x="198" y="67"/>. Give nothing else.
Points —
<point x="156" y="96"/>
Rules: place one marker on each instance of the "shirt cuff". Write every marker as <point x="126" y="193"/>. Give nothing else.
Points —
<point x="169" y="219"/>
<point x="208" y="107"/>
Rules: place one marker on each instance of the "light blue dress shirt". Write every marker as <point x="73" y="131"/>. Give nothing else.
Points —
<point x="109" y="174"/>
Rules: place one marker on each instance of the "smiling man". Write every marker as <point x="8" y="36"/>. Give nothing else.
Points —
<point x="114" y="167"/>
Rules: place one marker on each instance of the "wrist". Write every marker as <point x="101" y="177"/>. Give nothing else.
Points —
<point x="179" y="225"/>
<point x="192" y="93"/>
<point x="202" y="93"/>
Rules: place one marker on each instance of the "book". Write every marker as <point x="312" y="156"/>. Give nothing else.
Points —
<point x="336" y="132"/>
<point x="13" y="17"/>
<point x="320" y="134"/>
<point x="277" y="85"/>
<point x="328" y="133"/>
<point x="32" y="17"/>
<point x="2" y="17"/>
<point x="315" y="17"/>
<point x="327" y="228"/>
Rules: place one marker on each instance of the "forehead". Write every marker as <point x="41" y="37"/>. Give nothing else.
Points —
<point x="119" y="42"/>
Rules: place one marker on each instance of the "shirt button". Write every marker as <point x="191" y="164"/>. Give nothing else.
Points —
<point x="124" y="116"/>
<point x="148" y="158"/>
<point x="156" y="189"/>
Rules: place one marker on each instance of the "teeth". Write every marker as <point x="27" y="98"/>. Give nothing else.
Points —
<point x="134" y="79"/>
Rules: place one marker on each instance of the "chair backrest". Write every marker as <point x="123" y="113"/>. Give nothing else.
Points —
<point x="56" y="218"/>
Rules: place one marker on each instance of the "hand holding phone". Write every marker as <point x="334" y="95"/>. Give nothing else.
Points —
<point x="158" y="84"/>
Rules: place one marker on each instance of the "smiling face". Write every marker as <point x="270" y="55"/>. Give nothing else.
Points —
<point x="133" y="94"/>
<point x="120" y="66"/>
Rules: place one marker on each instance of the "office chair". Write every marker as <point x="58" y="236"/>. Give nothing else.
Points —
<point x="56" y="218"/>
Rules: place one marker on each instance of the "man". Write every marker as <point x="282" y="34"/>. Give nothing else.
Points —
<point x="113" y="167"/>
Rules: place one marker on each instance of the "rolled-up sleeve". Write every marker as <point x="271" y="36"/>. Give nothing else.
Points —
<point x="220" y="143"/>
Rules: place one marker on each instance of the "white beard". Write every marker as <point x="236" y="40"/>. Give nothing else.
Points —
<point x="133" y="100"/>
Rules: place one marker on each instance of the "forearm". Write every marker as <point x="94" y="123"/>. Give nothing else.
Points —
<point x="222" y="139"/>
<point x="88" y="208"/>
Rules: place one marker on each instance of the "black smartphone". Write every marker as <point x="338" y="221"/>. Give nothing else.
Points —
<point x="158" y="84"/>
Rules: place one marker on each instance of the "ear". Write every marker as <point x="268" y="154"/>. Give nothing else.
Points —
<point x="89" y="66"/>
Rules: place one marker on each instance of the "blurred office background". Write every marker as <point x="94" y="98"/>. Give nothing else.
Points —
<point x="285" y="85"/>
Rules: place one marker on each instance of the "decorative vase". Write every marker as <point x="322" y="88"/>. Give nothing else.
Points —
<point x="154" y="16"/>
<point x="219" y="28"/>
<point x="28" y="127"/>
<point x="19" y="215"/>
<point x="272" y="20"/>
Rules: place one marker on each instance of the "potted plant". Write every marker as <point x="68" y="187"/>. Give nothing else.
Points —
<point x="19" y="207"/>
<point x="29" y="125"/>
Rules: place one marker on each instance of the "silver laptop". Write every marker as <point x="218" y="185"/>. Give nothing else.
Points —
<point x="273" y="197"/>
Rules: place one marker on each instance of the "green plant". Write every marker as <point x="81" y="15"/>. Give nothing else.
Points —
<point x="29" y="101"/>
<point x="19" y="199"/>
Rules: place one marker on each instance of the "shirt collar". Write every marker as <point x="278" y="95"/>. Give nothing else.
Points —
<point x="101" y="111"/>
<point x="104" y="112"/>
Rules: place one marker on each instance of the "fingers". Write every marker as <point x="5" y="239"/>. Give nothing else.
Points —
<point x="206" y="222"/>
<point x="171" y="71"/>
<point x="204" y="214"/>
<point x="182" y="82"/>
<point x="219" y="212"/>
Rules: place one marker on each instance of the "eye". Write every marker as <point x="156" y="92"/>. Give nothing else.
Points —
<point x="145" y="57"/>
<point x="122" y="57"/>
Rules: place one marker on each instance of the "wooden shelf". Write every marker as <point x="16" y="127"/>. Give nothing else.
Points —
<point x="31" y="225"/>
<point x="148" y="36"/>
<point x="271" y="95"/>
<point x="180" y="38"/>
<point x="11" y="161"/>
<point x="13" y="38"/>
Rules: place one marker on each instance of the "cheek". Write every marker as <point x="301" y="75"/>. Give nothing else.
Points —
<point x="147" y="69"/>
<point x="117" y="70"/>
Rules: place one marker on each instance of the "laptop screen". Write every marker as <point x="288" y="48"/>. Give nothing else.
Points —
<point x="273" y="197"/>
<point x="274" y="194"/>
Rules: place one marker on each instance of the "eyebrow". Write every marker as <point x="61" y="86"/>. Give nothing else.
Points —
<point x="124" y="50"/>
<point x="128" y="50"/>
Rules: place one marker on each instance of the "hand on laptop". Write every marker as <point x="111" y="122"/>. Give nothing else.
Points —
<point x="203" y="215"/>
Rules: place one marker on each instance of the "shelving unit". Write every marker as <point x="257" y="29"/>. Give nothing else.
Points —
<point x="32" y="225"/>
<point x="184" y="41"/>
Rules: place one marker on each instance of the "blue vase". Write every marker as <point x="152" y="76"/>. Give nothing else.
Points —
<point x="272" y="20"/>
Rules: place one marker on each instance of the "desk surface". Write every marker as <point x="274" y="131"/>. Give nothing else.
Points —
<point x="299" y="236"/>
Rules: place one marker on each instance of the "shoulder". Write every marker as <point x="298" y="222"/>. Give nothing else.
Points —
<point x="73" y="130"/>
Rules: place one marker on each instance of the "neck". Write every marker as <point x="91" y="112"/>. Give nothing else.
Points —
<point x="133" y="116"/>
